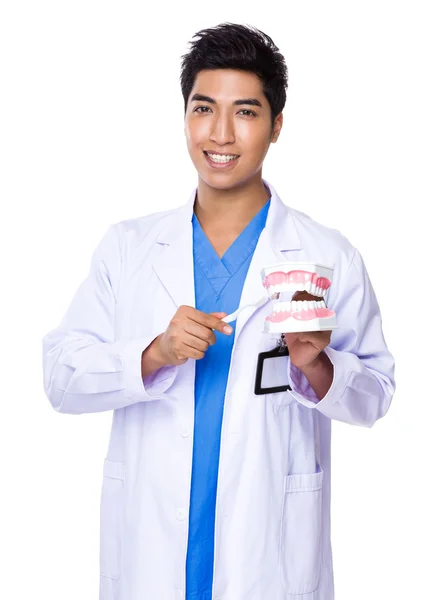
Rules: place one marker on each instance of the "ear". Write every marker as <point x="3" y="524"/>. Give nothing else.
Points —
<point x="278" y="124"/>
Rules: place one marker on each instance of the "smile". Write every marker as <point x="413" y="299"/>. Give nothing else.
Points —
<point x="221" y="160"/>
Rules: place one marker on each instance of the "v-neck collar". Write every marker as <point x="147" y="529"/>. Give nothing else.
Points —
<point x="215" y="267"/>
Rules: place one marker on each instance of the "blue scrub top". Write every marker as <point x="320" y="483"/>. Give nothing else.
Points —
<point x="218" y="288"/>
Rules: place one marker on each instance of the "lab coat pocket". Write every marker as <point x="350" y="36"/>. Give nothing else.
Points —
<point x="112" y="519"/>
<point x="301" y="534"/>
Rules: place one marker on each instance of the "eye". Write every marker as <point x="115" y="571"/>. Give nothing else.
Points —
<point x="197" y="108"/>
<point x="252" y="113"/>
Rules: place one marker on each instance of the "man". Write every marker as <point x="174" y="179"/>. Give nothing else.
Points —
<point x="211" y="491"/>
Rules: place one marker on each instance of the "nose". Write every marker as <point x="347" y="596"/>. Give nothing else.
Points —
<point x="222" y="131"/>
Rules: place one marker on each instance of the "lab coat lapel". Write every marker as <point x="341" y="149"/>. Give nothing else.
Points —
<point x="277" y="238"/>
<point x="174" y="265"/>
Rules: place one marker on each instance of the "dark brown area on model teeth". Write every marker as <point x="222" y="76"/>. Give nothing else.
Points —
<point x="303" y="295"/>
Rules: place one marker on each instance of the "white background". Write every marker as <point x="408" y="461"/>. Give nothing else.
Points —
<point x="92" y="133"/>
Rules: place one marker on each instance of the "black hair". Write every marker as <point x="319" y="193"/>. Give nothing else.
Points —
<point x="241" y="47"/>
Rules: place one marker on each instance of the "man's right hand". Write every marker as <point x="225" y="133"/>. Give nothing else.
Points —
<point x="189" y="334"/>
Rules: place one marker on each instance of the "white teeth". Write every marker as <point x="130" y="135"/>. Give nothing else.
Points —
<point x="221" y="159"/>
<point x="298" y="305"/>
<point x="307" y="285"/>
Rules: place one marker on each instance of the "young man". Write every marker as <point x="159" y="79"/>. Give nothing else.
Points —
<point x="211" y="491"/>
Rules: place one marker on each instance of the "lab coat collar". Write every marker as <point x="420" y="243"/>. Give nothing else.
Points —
<point x="174" y="266"/>
<point x="280" y="223"/>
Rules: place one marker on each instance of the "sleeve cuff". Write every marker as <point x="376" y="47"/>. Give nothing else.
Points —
<point x="304" y="393"/>
<point x="301" y="389"/>
<point x="154" y="386"/>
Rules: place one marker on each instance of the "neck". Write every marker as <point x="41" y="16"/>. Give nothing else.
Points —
<point x="232" y="208"/>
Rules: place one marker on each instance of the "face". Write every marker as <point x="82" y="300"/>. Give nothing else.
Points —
<point x="234" y="118"/>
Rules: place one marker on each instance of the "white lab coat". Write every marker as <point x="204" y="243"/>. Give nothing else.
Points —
<point x="272" y="530"/>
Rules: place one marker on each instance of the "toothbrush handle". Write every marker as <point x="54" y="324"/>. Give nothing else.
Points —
<point x="235" y="314"/>
<point x="232" y="316"/>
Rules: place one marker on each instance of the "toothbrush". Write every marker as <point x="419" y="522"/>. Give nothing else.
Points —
<point x="235" y="314"/>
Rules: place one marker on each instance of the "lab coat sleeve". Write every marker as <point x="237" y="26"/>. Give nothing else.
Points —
<point x="363" y="381"/>
<point x="85" y="368"/>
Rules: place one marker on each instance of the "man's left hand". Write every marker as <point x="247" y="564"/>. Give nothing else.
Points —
<point x="305" y="348"/>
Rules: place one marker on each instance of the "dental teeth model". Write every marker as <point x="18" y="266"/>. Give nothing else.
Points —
<point x="309" y="283"/>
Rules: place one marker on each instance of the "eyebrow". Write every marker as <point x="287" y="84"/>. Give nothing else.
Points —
<point x="250" y="101"/>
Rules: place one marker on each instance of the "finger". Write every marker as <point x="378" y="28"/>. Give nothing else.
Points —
<point x="195" y="342"/>
<point x="192" y="352"/>
<point x="219" y="315"/>
<point x="189" y="314"/>
<point x="199" y="331"/>
<point x="317" y="338"/>
<point x="210" y="321"/>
